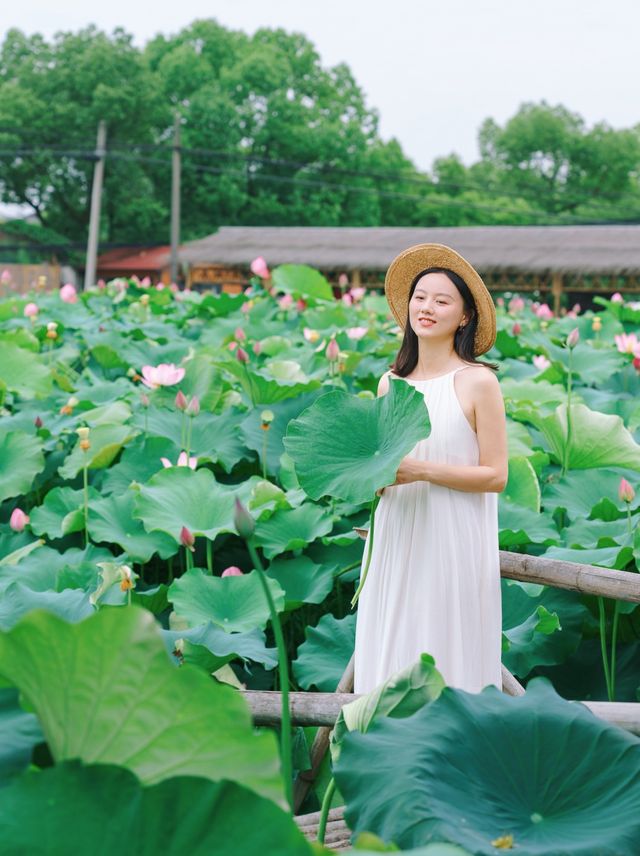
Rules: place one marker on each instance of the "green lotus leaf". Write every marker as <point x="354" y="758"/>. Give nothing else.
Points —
<point x="540" y="629"/>
<point x="17" y="555"/>
<point x="519" y="440"/>
<point x="139" y="461"/>
<point x="286" y="370"/>
<point x="23" y="372"/>
<point x="204" y="379"/>
<point x="519" y="526"/>
<point x="540" y="394"/>
<point x="579" y="493"/>
<point x="44" y="568"/>
<point x="180" y="496"/>
<point x="325" y="653"/>
<point x="400" y="696"/>
<point x="606" y="557"/>
<point x="19" y="733"/>
<point x="591" y="534"/>
<point x="302" y="580"/>
<point x="106" y="441"/>
<point x="598" y="439"/>
<point x="301" y="281"/>
<point x="522" y="486"/>
<point x="274" y="345"/>
<point x="224" y="646"/>
<point x="18" y="599"/>
<point x="292" y="528"/>
<point x="61" y="513"/>
<point x="113" y="413"/>
<point x="266" y="497"/>
<point x="21" y="459"/>
<point x="111" y="520"/>
<point x="375" y="434"/>
<point x="180" y="815"/>
<point x="254" y="435"/>
<point x="261" y="389"/>
<point x="222" y="304"/>
<point x="214" y="437"/>
<point x="545" y="771"/>
<point x="105" y="691"/>
<point x="236" y="604"/>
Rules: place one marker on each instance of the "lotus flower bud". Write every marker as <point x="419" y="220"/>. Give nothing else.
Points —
<point x="193" y="407"/>
<point x="243" y="521"/>
<point x="52" y="330"/>
<point x="68" y="293"/>
<point x="31" y="310"/>
<point x="126" y="578"/>
<point x="187" y="539"/>
<point x="343" y="280"/>
<point x="257" y="348"/>
<point x="333" y="351"/>
<point x="83" y="434"/>
<point x="240" y="335"/>
<point x="301" y="305"/>
<point x="180" y="400"/>
<point x="232" y="571"/>
<point x="18" y="520"/>
<point x="625" y="492"/>
<point x="242" y="355"/>
<point x="517" y="329"/>
<point x="572" y="338"/>
<point x="37" y="422"/>
<point x="259" y="268"/>
<point x="617" y="298"/>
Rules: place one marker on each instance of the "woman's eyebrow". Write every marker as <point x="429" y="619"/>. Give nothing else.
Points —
<point x="438" y="294"/>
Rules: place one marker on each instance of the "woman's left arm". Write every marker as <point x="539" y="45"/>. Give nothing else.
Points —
<point x="490" y="475"/>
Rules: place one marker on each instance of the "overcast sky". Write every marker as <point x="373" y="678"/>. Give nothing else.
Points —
<point x="433" y="70"/>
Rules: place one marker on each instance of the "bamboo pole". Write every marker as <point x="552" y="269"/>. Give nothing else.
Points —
<point x="589" y="579"/>
<point x="323" y="708"/>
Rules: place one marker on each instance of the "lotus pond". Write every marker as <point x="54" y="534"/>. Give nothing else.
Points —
<point x="137" y="420"/>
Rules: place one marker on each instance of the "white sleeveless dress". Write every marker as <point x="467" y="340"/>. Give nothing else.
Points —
<point x="433" y="584"/>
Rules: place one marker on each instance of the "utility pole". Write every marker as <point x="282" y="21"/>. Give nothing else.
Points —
<point x="94" y="219"/>
<point x="175" y="199"/>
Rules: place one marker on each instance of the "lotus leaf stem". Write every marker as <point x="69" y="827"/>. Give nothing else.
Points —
<point x="283" y="670"/>
<point x="603" y="646"/>
<point x="567" y="448"/>
<point x="85" y="492"/>
<point x="209" y="555"/>
<point x="363" y="577"/>
<point x="324" y="811"/>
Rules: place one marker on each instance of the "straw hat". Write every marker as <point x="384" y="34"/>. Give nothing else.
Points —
<point x="406" y="267"/>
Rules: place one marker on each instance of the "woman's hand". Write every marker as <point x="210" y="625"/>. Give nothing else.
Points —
<point x="410" y="470"/>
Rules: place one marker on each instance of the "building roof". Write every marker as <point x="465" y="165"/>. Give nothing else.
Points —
<point x="132" y="259"/>
<point x="535" y="249"/>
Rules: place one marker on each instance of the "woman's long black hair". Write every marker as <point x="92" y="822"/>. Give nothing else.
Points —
<point x="463" y="341"/>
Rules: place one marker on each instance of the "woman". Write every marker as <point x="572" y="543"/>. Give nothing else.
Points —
<point x="434" y="580"/>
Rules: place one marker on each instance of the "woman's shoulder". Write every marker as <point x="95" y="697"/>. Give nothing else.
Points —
<point x="478" y="377"/>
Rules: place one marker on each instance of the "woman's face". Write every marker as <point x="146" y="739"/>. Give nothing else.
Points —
<point x="436" y="308"/>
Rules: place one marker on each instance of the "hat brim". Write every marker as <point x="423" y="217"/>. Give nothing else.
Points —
<point x="406" y="267"/>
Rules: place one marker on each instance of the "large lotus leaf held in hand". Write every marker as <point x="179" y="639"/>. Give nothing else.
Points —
<point x="348" y="447"/>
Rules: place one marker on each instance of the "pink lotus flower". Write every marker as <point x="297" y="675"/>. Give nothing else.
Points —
<point x="543" y="311"/>
<point x="193" y="408"/>
<point x="617" y="298"/>
<point x="356" y="333"/>
<point x="259" y="268"/>
<point x="18" y="520"/>
<point x="232" y="571"/>
<point x="68" y="293"/>
<point x="500" y="301"/>
<point x="626" y="343"/>
<point x="242" y="355"/>
<point x="5" y="276"/>
<point x="576" y="308"/>
<point x="333" y="351"/>
<point x="232" y="345"/>
<point x="516" y="329"/>
<point x="240" y="335"/>
<point x="625" y="492"/>
<point x="573" y="338"/>
<point x="300" y="305"/>
<point x="166" y="374"/>
<point x="101" y="283"/>
<point x="516" y="304"/>
<point x="357" y="292"/>
<point x="246" y="306"/>
<point x="31" y="310"/>
<point x="187" y="539"/>
<point x="183" y="461"/>
<point x="541" y="362"/>
<point x="285" y="301"/>
<point x="347" y="299"/>
<point x="343" y="280"/>
<point x="145" y="282"/>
